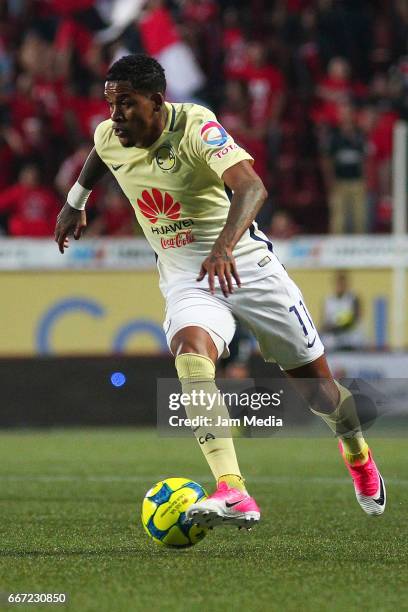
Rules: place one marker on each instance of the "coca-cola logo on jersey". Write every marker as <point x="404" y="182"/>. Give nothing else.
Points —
<point x="177" y="241"/>
<point x="156" y="206"/>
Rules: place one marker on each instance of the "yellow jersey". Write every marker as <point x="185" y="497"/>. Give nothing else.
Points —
<point x="175" y="187"/>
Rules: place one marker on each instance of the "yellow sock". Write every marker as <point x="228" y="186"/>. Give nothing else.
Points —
<point x="233" y="481"/>
<point x="353" y="453"/>
<point x="344" y="422"/>
<point x="197" y="373"/>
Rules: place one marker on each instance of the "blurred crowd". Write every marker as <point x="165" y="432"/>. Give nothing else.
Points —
<point x="311" y="88"/>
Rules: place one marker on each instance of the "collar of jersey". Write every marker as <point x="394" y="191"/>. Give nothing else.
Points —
<point x="171" y="117"/>
<point x="170" y="121"/>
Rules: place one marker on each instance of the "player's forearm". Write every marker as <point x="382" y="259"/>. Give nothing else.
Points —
<point x="93" y="170"/>
<point x="246" y="203"/>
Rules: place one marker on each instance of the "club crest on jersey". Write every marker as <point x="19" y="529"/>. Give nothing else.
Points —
<point x="156" y="205"/>
<point x="165" y="157"/>
<point x="213" y="134"/>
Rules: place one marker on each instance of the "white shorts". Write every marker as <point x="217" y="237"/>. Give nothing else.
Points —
<point x="272" y="308"/>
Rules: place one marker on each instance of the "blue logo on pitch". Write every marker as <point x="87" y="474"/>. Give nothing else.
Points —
<point x="118" y="379"/>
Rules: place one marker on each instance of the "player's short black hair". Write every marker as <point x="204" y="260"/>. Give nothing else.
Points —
<point x="142" y="71"/>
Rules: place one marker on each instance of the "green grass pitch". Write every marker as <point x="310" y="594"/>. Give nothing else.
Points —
<point x="70" y="504"/>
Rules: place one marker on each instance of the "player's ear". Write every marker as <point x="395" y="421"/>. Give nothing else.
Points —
<point x="158" y="101"/>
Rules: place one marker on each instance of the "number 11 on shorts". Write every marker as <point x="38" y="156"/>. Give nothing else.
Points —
<point x="302" y="323"/>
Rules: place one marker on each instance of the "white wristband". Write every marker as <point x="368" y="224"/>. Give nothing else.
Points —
<point x="77" y="196"/>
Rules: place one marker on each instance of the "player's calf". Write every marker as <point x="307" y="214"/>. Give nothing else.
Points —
<point x="368" y="483"/>
<point x="197" y="374"/>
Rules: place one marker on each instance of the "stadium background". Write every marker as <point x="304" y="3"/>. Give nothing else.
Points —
<point x="316" y="90"/>
<point x="301" y="93"/>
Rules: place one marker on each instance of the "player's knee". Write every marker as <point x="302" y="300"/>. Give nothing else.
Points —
<point x="323" y="395"/>
<point x="192" y="366"/>
<point x="189" y="346"/>
<point x="194" y="340"/>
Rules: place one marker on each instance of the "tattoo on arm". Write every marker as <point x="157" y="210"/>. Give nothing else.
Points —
<point x="225" y="257"/>
<point x="246" y="203"/>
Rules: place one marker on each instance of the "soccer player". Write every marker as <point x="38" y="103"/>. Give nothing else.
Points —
<point x="174" y="162"/>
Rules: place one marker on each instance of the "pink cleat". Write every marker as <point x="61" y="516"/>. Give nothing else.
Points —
<point x="368" y="485"/>
<point x="225" y="507"/>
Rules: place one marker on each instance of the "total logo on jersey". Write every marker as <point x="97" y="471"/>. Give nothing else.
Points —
<point x="213" y="134"/>
<point x="227" y="149"/>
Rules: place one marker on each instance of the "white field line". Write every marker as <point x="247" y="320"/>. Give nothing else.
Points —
<point x="322" y="480"/>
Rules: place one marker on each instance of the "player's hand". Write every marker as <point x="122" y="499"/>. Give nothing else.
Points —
<point x="69" y="221"/>
<point x="220" y="262"/>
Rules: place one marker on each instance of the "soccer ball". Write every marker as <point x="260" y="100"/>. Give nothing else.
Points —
<point x="164" y="512"/>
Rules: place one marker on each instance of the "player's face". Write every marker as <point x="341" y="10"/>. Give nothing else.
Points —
<point x="135" y="115"/>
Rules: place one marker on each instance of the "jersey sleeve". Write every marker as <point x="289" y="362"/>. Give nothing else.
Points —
<point x="101" y="137"/>
<point x="212" y="145"/>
